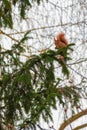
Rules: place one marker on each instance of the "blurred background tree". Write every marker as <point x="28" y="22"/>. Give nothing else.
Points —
<point x="33" y="81"/>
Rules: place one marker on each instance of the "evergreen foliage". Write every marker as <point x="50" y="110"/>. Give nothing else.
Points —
<point x="31" y="87"/>
<point x="6" y="18"/>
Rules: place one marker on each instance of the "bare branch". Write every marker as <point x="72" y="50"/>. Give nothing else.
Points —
<point x="73" y="118"/>
<point x="80" y="127"/>
<point x="44" y="27"/>
<point x="1" y="32"/>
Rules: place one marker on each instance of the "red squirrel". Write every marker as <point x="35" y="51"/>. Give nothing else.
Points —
<point x="60" y="40"/>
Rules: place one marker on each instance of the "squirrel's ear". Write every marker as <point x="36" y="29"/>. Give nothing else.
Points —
<point x="55" y="38"/>
<point x="62" y="33"/>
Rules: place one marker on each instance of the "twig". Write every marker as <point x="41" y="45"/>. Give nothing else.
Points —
<point x="1" y="32"/>
<point x="77" y="72"/>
